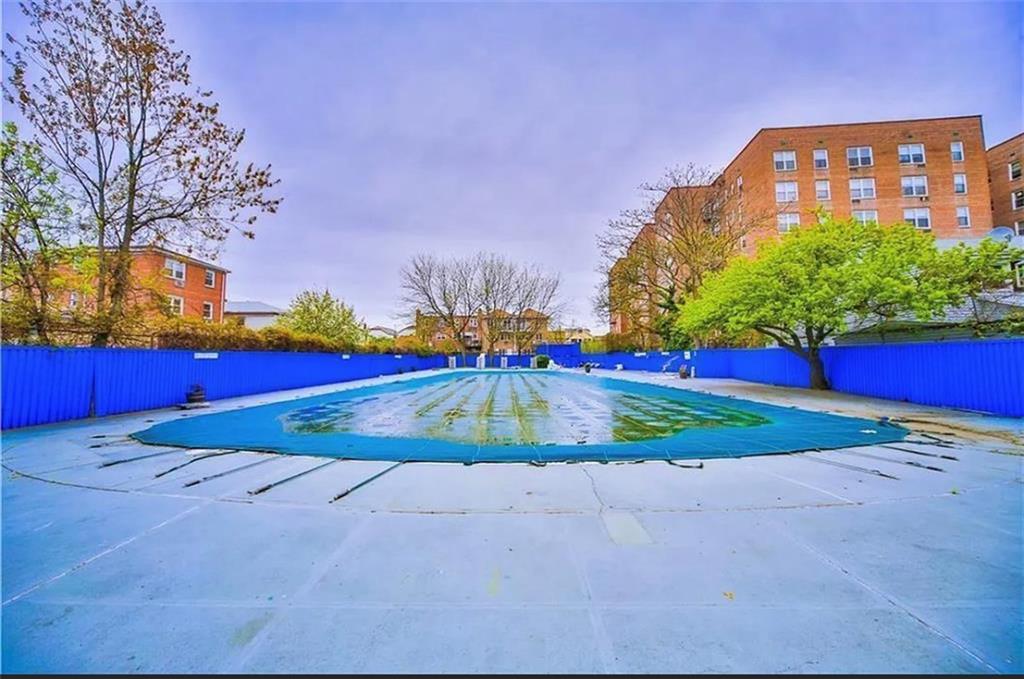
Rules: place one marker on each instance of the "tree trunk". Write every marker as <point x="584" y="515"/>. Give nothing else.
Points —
<point x="818" y="379"/>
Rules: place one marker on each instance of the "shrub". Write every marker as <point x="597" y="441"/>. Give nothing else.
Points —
<point x="543" y="360"/>
<point x="192" y="333"/>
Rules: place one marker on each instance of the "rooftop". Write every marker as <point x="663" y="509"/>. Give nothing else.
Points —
<point x="250" y="307"/>
<point x="900" y="558"/>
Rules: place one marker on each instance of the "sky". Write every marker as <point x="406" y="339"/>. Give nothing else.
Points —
<point x="521" y="129"/>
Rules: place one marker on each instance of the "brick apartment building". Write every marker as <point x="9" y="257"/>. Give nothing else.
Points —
<point x="1005" y="161"/>
<point x="192" y="287"/>
<point x="933" y="173"/>
<point x="531" y="328"/>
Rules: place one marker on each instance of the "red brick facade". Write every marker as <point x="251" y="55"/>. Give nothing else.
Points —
<point x="1006" y="171"/>
<point x="933" y="171"/>
<point x="935" y="196"/>
<point x="200" y="297"/>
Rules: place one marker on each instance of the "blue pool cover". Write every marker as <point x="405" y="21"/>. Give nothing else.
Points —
<point x="520" y="416"/>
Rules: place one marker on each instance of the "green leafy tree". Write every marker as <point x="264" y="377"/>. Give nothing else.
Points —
<point x="321" y="313"/>
<point x="983" y="275"/>
<point x="817" y="282"/>
<point x="40" y="266"/>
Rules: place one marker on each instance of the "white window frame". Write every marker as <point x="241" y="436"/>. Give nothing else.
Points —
<point x="820" y="154"/>
<point x="859" y="156"/>
<point x="917" y="183"/>
<point x="860" y="182"/>
<point x="173" y="266"/>
<point x="210" y="278"/>
<point x="956" y="147"/>
<point x="865" y="216"/>
<point x="208" y="305"/>
<point x="964" y="176"/>
<point x="916" y="217"/>
<point x="1014" y="204"/>
<point x="963" y="211"/>
<point x="1009" y="170"/>
<point x="818" y="192"/>
<point x="784" y="157"/>
<point x="1019" y="227"/>
<point x="908" y="151"/>
<point x="73" y="300"/>
<point x="177" y="304"/>
<point x="787" y="221"/>
<point x="783" y="195"/>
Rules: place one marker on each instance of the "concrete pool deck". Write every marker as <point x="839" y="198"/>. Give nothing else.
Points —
<point x="902" y="558"/>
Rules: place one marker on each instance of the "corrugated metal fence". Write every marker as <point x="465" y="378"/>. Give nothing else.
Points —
<point x="43" y="384"/>
<point x="982" y="375"/>
<point x="570" y="356"/>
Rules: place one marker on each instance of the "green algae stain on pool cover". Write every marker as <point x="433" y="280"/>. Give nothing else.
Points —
<point x="506" y="409"/>
<point x="519" y="416"/>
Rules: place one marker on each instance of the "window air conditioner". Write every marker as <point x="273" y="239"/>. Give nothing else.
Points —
<point x="179" y="283"/>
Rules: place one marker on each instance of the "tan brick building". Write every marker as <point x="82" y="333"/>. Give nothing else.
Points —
<point x="1006" y="173"/>
<point x="511" y="334"/>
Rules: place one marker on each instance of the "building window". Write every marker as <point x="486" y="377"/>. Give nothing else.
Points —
<point x="1014" y="169"/>
<point x="785" y="192"/>
<point x="1019" y="227"/>
<point x="963" y="217"/>
<point x="914" y="186"/>
<point x="784" y="160"/>
<point x="1018" y="276"/>
<point x="174" y="269"/>
<point x="865" y="216"/>
<point x="788" y="221"/>
<point x="859" y="156"/>
<point x="208" y="310"/>
<point x="211" y="278"/>
<point x="960" y="183"/>
<point x="177" y="305"/>
<point x="820" y="159"/>
<point x="73" y="300"/>
<point x="822" y="189"/>
<point x="1017" y="200"/>
<point x="862" y="187"/>
<point x="911" y="153"/>
<point x="956" y="151"/>
<point x="920" y="217"/>
<point x="739" y="182"/>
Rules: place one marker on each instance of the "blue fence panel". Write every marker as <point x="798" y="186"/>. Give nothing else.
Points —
<point x="42" y="385"/>
<point x="982" y="375"/>
<point x="768" y="366"/>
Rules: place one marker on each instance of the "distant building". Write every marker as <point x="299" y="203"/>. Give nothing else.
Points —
<point x="1006" y="171"/>
<point x="253" y="315"/>
<point x="512" y="334"/>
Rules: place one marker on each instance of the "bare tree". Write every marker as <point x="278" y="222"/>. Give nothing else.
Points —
<point x="144" y="151"/>
<point x="444" y="290"/>
<point x="692" y="221"/>
<point x="534" y="303"/>
<point x="497" y="292"/>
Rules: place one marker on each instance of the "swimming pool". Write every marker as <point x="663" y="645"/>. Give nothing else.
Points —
<point x="520" y="416"/>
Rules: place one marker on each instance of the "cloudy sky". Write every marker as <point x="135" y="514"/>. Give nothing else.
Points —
<point x="522" y="129"/>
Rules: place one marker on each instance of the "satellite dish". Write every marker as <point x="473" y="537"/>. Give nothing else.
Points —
<point x="1003" y="233"/>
